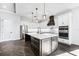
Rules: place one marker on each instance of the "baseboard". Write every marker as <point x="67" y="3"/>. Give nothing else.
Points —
<point x="76" y="44"/>
<point x="9" y="40"/>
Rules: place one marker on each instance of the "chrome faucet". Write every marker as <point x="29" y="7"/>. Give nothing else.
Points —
<point x="39" y="30"/>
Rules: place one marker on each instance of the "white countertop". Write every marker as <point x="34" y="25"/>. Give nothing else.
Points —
<point x="42" y="36"/>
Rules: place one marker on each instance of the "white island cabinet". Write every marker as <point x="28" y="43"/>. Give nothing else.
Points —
<point x="43" y="44"/>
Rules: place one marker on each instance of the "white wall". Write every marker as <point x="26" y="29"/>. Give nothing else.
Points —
<point x="9" y="26"/>
<point x="25" y="21"/>
<point x="32" y="26"/>
<point x="7" y="6"/>
<point x="75" y="26"/>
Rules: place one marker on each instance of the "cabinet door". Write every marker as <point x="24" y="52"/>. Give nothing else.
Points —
<point x="5" y="34"/>
<point x="0" y="28"/>
<point x="60" y="18"/>
<point x="63" y="19"/>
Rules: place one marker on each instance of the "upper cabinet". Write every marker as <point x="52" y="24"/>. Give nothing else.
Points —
<point x="63" y="19"/>
<point x="60" y="20"/>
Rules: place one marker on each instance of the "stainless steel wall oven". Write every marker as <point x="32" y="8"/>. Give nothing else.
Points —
<point x="63" y="32"/>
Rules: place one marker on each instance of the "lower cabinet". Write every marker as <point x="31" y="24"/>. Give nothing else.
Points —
<point x="35" y="46"/>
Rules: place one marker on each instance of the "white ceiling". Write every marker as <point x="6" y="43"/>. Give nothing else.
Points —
<point x="26" y="9"/>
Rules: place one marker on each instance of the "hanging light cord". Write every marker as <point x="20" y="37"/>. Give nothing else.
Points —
<point x="44" y="8"/>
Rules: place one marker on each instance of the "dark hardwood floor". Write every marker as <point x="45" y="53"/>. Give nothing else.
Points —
<point x="15" y="48"/>
<point x="20" y="48"/>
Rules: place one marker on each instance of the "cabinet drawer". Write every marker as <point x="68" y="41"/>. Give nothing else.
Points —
<point x="63" y="41"/>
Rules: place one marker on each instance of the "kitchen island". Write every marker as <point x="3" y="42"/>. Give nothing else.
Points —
<point x="43" y="44"/>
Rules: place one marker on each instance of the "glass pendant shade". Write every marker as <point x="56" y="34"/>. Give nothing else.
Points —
<point x="44" y="16"/>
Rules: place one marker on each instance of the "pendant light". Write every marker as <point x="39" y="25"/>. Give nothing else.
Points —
<point x="36" y="13"/>
<point x="36" y="17"/>
<point x="44" y="16"/>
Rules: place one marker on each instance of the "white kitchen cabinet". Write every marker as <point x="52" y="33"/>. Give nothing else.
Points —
<point x="68" y="42"/>
<point x="63" y="19"/>
<point x="60" y="20"/>
<point x="72" y="20"/>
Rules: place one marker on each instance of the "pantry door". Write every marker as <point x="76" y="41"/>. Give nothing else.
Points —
<point x="5" y="30"/>
<point x="1" y="29"/>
